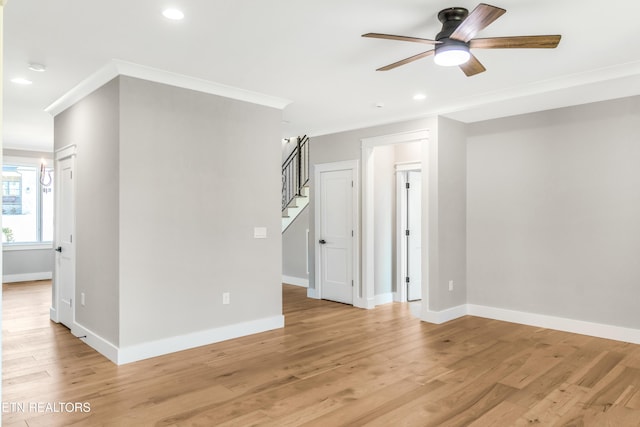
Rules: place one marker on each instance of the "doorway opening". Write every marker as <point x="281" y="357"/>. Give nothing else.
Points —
<point x="382" y="158"/>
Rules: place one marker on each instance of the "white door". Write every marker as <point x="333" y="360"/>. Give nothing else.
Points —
<point x="65" y="244"/>
<point x="414" y="240"/>
<point x="335" y="235"/>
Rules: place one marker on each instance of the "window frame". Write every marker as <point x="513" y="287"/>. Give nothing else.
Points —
<point x="34" y="163"/>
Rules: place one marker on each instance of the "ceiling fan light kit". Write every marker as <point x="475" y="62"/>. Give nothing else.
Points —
<point x="451" y="53"/>
<point x="459" y="27"/>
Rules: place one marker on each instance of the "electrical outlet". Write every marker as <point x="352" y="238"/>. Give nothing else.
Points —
<point x="82" y="299"/>
<point x="226" y="298"/>
<point x="450" y="285"/>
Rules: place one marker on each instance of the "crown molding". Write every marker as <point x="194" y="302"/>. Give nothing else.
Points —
<point x="116" y="68"/>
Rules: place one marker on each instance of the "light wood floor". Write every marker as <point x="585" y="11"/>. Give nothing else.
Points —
<point x="332" y="365"/>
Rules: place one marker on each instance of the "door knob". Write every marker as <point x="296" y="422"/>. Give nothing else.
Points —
<point x="322" y="241"/>
<point x="59" y="249"/>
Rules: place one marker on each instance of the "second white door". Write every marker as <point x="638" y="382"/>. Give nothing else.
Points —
<point x="335" y="235"/>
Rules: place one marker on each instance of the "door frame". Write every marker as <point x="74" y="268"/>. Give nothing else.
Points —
<point x="318" y="169"/>
<point x="401" y="224"/>
<point x="368" y="191"/>
<point x="60" y="154"/>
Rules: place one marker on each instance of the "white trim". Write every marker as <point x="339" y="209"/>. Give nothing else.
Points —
<point x="600" y="330"/>
<point x="306" y="251"/>
<point x="312" y="293"/>
<point x="352" y="165"/>
<point x="385" y="298"/>
<point x="368" y="231"/>
<point x="408" y="166"/>
<point x="96" y="342"/>
<point x="26" y="246"/>
<point x="297" y="281"/>
<point x="401" y="224"/>
<point x="53" y="314"/>
<point x="445" y="315"/>
<point x="66" y="151"/>
<point x="196" y="339"/>
<point x="27" y="277"/>
<point x="118" y="67"/>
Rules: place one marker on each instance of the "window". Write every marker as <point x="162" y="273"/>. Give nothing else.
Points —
<point x="27" y="202"/>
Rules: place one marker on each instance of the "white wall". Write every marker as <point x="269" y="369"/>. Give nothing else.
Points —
<point x="295" y="250"/>
<point x="553" y="213"/>
<point x="384" y="219"/>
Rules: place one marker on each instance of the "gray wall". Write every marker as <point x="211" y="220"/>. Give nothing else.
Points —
<point x="347" y="146"/>
<point x="451" y="217"/>
<point x="443" y="161"/>
<point x="198" y="173"/>
<point x="553" y="212"/>
<point x="170" y="185"/>
<point x="93" y="126"/>
<point x="294" y="247"/>
<point x="28" y="261"/>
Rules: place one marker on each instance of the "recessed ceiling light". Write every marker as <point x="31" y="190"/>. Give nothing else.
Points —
<point x="21" y="81"/>
<point x="419" y="96"/>
<point x="174" y="14"/>
<point x="379" y="104"/>
<point x="37" y="67"/>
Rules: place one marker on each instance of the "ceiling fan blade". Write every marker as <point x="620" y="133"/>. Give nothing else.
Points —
<point x="472" y="67"/>
<point x="477" y="20"/>
<point x="407" y="60"/>
<point x="401" y="38"/>
<point x="541" y="42"/>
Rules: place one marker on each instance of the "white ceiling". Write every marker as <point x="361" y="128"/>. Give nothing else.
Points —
<point x="311" y="52"/>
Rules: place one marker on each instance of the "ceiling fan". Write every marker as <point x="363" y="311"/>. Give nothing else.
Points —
<point x="459" y="27"/>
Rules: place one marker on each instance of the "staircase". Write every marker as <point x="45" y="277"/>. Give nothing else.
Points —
<point x="295" y="180"/>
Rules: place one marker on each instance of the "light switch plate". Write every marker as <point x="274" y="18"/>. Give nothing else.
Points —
<point x="260" y="232"/>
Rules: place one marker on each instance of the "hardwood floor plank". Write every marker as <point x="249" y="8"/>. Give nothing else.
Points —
<point x="331" y="365"/>
<point x="600" y="369"/>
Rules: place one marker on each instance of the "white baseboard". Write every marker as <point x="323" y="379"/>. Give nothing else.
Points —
<point x="384" y="298"/>
<point x="443" y="316"/>
<point x="600" y="330"/>
<point x="96" y="342"/>
<point x="27" y="277"/>
<point x="298" y="281"/>
<point x="366" y="303"/>
<point x="312" y="293"/>
<point x="53" y="314"/>
<point x="196" y="339"/>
